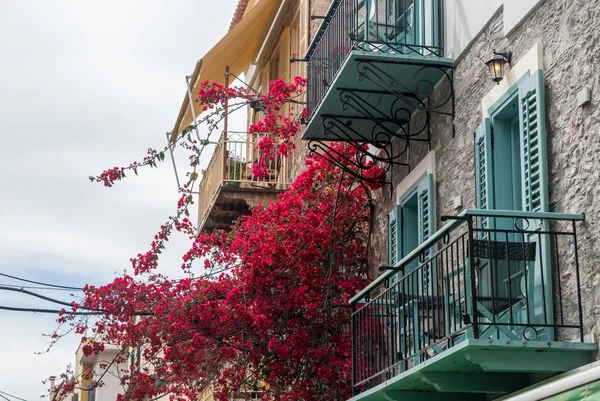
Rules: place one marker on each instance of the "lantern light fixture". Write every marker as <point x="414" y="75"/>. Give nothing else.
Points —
<point x="496" y="65"/>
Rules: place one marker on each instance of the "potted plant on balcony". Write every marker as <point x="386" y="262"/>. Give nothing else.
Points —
<point x="235" y="171"/>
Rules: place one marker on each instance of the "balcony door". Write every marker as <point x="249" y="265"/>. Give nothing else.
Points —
<point x="514" y="285"/>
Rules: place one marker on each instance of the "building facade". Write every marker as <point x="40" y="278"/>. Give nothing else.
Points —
<point x="484" y="238"/>
<point x="483" y="242"/>
<point x="90" y="370"/>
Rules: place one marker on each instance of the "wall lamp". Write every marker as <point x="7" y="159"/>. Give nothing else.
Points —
<point x="496" y="65"/>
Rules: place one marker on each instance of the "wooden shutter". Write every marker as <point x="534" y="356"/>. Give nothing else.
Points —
<point x="484" y="182"/>
<point x="534" y="187"/>
<point x="425" y="208"/>
<point x="394" y="235"/>
<point x="534" y="184"/>
<point x="426" y="220"/>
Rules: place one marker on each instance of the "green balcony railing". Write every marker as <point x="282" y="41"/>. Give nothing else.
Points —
<point x="380" y="26"/>
<point x="468" y="282"/>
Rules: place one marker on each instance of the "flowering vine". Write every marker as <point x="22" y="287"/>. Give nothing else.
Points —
<point x="266" y="318"/>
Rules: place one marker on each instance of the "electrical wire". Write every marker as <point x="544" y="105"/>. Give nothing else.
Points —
<point x="66" y="312"/>
<point x="13" y="396"/>
<point x="35" y="294"/>
<point x="28" y="287"/>
<point x="41" y="283"/>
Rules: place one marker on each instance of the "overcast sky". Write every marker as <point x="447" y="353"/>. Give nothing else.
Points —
<point x="84" y="86"/>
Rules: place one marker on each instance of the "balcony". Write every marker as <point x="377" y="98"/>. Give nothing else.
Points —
<point x="372" y="66"/>
<point x="473" y="311"/>
<point x="228" y="189"/>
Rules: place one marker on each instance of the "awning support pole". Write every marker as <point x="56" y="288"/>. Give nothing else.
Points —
<point x="191" y="103"/>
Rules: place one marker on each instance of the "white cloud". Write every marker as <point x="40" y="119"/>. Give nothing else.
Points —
<point x="85" y="86"/>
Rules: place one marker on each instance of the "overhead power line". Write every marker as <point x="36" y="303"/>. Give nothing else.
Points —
<point x="41" y="283"/>
<point x="31" y="287"/>
<point x="13" y="396"/>
<point x="35" y="294"/>
<point x="67" y="312"/>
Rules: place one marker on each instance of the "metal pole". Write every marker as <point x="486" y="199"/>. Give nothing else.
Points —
<point x="472" y="268"/>
<point x="354" y="349"/>
<point x="579" y="305"/>
<point x="225" y="120"/>
<point x="191" y="102"/>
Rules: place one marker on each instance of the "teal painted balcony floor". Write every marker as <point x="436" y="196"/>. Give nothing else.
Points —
<point x="473" y="368"/>
<point x="374" y="91"/>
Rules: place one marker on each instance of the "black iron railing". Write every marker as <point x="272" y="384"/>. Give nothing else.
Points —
<point x="383" y="26"/>
<point x="470" y="282"/>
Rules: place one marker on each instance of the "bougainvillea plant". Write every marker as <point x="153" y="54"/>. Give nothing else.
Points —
<point x="271" y="321"/>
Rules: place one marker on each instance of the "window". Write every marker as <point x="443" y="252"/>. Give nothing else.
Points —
<point x="92" y="392"/>
<point x="510" y="151"/>
<point x="411" y="221"/>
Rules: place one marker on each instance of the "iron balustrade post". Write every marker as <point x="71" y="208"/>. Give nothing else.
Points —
<point x="473" y="285"/>
<point x="354" y="349"/>
<point x="579" y="305"/>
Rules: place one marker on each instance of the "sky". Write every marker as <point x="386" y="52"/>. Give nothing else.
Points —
<point x="84" y="86"/>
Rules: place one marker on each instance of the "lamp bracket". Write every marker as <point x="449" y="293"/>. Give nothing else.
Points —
<point x="507" y="56"/>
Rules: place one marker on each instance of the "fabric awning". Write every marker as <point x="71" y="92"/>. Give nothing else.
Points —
<point x="237" y="50"/>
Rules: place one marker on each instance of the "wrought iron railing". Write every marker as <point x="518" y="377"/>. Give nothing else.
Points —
<point x="383" y="26"/>
<point x="231" y="167"/>
<point x="470" y="282"/>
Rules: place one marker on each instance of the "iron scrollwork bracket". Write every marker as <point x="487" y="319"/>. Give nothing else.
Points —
<point x="380" y="134"/>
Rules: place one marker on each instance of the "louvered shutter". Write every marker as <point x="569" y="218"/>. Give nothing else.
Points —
<point x="425" y="208"/>
<point x="395" y="235"/>
<point x="484" y="180"/>
<point x="534" y="187"/>
<point x="533" y="144"/>
<point x="426" y="219"/>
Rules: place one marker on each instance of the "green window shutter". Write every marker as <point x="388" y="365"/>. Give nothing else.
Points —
<point x="534" y="193"/>
<point x="426" y="208"/>
<point x="533" y="144"/>
<point x="484" y="180"/>
<point x="394" y="235"/>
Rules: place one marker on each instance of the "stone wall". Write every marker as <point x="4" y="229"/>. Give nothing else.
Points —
<point x="569" y="34"/>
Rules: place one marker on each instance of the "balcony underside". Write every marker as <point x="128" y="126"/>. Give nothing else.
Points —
<point x="232" y="202"/>
<point x="374" y="95"/>
<point x="474" y="368"/>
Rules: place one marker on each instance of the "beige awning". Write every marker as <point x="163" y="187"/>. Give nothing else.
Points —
<point x="237" y="50"/>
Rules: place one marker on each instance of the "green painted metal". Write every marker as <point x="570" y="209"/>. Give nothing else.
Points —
<point x="525" y="214"/>
<point x="403" y="67"/>
<point x="455" y="223"/>
<point x="429" y="396"/>
<point x="485" y="356"/>
<point x="489" y="383"/>
<point x="540" y="362"/>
